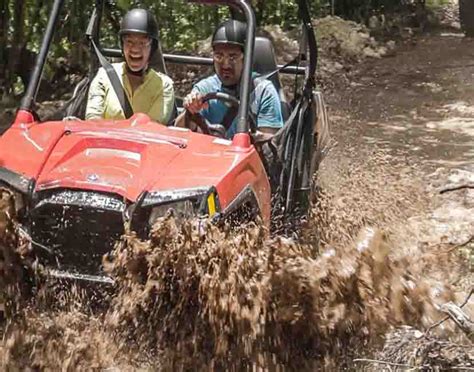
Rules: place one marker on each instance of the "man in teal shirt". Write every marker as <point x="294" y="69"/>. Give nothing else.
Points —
<point x="228" y="53"/>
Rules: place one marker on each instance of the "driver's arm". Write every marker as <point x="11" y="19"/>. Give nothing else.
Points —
<point x="192" y="103"/>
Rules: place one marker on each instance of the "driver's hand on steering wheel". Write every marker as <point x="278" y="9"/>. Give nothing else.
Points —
<point x="193" y="103"/>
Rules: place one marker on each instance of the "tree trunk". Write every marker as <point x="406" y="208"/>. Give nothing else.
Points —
<point x="17" y="41"/>
<point x="35" y="17"/>
<point x="4" y="16"/>
<point x="260" y="9"/>
<point x="215" y="17"/>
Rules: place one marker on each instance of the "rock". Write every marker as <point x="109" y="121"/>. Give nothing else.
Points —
<point x="369" y="52"/>
<point x="390" y="45"/>
<point x="347" y="40"/>
<point x="382" y="51"/>
<point x="374" y="23"/>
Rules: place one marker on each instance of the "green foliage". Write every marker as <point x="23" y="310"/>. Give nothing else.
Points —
<point x="434" y="4"/>
<point x="22" y="25"/>
<point x="181" y="23"/>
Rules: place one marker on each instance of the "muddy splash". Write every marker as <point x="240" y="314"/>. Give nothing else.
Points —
<point x="64" y="341"/>
<point x="221" y="299"/>
<point x="231" y="300"/>
<point x="241" y="299"/>
<point x="13" y="281"/>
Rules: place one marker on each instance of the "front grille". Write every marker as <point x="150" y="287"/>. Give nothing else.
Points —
<point x="77" y="227"/>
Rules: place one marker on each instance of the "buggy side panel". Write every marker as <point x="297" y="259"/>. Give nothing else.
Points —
<point x="250" y="175"/>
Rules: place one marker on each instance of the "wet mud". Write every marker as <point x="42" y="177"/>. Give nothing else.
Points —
<point x="389" y="241"/>
<point x="231" y="300"/>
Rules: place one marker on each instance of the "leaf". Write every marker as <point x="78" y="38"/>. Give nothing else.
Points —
<point x="124" y="4"/>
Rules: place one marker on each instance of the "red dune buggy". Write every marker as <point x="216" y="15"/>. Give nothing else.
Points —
<point x="77" y="182"/>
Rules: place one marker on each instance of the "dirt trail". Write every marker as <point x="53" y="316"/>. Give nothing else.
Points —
<point x="415" y="111"/>
<point x="419" y="102"/>
<point x="404" y="128"/>
<point x="405" y="153"/>
<point x="405" y="160"/>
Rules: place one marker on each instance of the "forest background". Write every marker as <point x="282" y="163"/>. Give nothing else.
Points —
<point x="182" y="25"/>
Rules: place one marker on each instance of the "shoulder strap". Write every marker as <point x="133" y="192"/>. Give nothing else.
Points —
<point x="115" y="81"/>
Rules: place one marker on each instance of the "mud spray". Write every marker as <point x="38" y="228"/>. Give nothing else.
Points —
<point x="240" y="299"/>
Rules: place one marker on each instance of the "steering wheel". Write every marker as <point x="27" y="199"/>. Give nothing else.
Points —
<point x="206" y="127"/>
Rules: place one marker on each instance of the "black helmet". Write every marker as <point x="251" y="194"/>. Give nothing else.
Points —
<point x="230" y="32"/>
<point x="139" y="21"/>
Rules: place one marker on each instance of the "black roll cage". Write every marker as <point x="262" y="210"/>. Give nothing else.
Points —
<point x="242" y="5"/>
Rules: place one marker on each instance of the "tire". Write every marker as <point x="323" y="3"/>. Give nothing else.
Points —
<point x="466" y="16"/>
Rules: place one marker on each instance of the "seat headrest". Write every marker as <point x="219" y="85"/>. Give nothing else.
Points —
<point x="264" y="60"/>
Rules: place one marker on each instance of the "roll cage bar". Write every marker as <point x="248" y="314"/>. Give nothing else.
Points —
<point x="26" y="114"/>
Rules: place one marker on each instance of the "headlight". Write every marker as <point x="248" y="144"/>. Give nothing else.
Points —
<point x="186" y="203"/>
<point x="181" y="209"/>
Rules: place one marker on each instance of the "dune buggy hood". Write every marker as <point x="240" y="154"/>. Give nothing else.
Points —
<point x="123" y="157"/>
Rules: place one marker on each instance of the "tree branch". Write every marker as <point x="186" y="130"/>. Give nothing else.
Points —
<point x="408" y="366"/>
<point x="455" y="188"/>
<point x="448" y="317"/>
<point x="387" y="363"/>
<point x="453" y="248"/>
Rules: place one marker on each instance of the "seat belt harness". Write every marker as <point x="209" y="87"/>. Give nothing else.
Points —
<point x="115" y="81"/>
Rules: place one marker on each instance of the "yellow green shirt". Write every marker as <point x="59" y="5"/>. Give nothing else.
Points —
<point x="154" y="97"/>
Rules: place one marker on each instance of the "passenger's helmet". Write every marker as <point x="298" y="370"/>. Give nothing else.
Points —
<point x="140" y="21"/>
<point x="230" y="32"/>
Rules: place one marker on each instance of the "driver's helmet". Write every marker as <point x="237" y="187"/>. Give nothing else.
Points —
<point x="140" y="21"/>
<point x="230" y="32"/>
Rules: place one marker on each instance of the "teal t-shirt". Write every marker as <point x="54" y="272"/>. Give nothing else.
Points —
<point x="265" y="104"/>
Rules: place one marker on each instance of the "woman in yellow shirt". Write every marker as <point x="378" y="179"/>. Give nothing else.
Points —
<point x="148" y="91"/>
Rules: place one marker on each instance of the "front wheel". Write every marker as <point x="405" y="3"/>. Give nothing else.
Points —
<point x="466" y="16"/>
